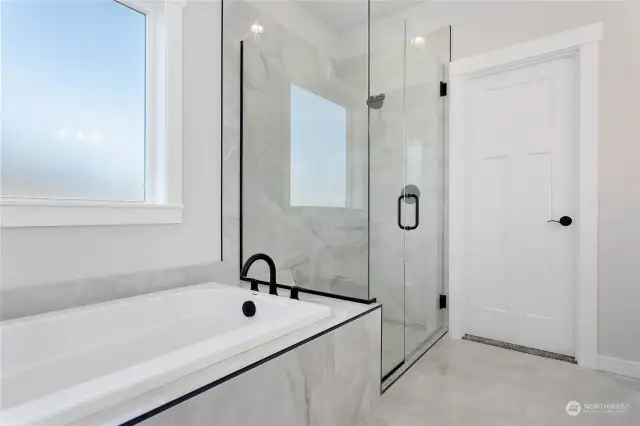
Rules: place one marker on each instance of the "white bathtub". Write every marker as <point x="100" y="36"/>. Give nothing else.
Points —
<point x="64" y="365"/>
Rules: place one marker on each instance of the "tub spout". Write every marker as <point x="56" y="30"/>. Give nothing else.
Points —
<point x="273" y="289"/>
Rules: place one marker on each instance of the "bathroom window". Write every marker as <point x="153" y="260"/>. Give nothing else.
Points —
<point x="318" y="169"/>
<point x="83" y="97"/>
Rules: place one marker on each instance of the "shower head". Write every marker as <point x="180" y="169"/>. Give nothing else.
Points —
<point x="375" y="101"/>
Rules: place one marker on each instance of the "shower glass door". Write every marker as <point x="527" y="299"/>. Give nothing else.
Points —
<point x="424" y="183"/>
<point x="406" y="192"/>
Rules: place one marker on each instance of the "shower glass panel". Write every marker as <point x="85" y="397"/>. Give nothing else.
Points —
<point x="407" y="189"/>
<point x="387" y="180"/>
<point x="424" y="177"/>
<point x="304" y="149"/>
<point x="343" y="188"/>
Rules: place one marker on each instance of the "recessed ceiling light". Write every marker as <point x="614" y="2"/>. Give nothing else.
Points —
<point x="256" y="28"/>
<point x="418" y="40"/>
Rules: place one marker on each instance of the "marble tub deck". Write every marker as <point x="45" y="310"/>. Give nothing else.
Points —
<point x="463" y="383"/>
<point x="343" y="313"/>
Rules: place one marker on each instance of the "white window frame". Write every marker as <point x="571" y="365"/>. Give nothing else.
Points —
<point x="163" y="167"/>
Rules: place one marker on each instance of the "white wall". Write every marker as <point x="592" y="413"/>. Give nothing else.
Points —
<point x="482" y="27"/>
<point x="32" y="256"/>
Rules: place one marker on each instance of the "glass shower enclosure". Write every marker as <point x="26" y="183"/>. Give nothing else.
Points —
<point x="342" y="147"/>
<point x="407" y="187"/>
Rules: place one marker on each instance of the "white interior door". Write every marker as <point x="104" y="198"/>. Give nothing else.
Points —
<point x="520" y="147"/>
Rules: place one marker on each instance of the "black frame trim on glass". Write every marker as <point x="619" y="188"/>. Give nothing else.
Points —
<point x="221" y="128"/>
<point x="241" y="154"/>
<point x="393" y="370"/>
<point x="314" y="292"/>
<point x="369" y="157"/>
<point x="410" y="365"/>
<point x="443" y="89"/>
<point x="164" y="407"/>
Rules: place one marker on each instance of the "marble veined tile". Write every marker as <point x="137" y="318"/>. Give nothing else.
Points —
<point x="333" y="380"/>
<point x="32" y="300"/>
<point x="326" y="248"/>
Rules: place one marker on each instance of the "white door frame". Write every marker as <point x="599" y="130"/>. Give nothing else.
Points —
<point x="582" y="43"/>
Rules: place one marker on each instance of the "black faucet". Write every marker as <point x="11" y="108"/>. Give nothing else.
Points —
<point x="273" y="289"/>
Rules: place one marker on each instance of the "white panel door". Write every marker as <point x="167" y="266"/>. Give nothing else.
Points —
<point x="520" y="156"/>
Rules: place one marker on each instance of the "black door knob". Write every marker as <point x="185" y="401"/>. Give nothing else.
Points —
<point x="564" y="221"/>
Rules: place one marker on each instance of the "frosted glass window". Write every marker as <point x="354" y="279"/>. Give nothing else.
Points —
<point x="318" y="151"/>
<point x="73" y="100"/>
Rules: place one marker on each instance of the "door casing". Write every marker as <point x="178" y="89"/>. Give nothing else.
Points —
<point x="582" y="43"/>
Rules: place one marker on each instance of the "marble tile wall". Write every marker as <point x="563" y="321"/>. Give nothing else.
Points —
<point x="326" y="248"/>
<point x="37" y="299"/>
<point x="333" y="380"/>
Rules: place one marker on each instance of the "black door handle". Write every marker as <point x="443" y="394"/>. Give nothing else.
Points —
<point x="417" y="221"/>
<point x="400" y="211"/>
<point x="564" y="221"/>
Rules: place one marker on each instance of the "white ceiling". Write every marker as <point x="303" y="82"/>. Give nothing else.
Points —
<point x="344" y="15"/>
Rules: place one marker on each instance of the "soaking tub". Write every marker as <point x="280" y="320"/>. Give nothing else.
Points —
<point x="62" y="366"/>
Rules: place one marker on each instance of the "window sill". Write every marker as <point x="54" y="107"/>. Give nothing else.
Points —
<point x="37" y="213"/>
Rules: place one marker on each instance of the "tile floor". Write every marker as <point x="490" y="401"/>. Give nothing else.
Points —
<point x="462" y="383"/>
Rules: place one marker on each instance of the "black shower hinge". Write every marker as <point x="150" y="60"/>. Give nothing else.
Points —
<point x="443" y="301"/>
<point x="443" y="89"/>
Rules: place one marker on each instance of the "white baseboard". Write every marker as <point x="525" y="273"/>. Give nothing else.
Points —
<point x="618" y="366"/>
